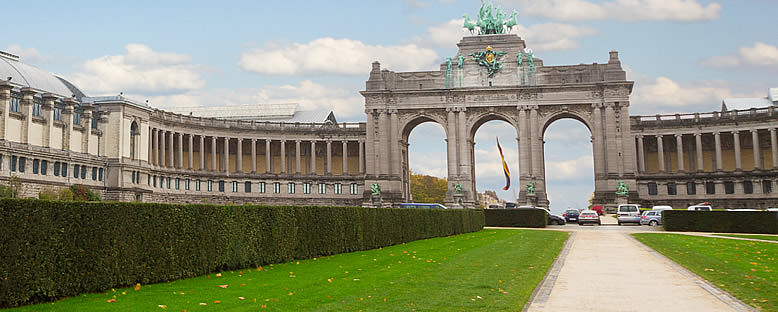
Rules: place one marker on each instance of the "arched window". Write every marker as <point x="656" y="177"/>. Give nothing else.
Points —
<point x="134" y="135"/>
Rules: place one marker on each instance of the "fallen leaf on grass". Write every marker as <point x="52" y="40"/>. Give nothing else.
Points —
<point x="224" y="286"/>
<point x="111" y="300"/>
<point x="217" y="302"/>
<point x="162" y="306"/>
<point x="203" y="303"/>
<point x="137" y="286"/>
<point x="241" y="298"/>
<point x="218" y="275"/>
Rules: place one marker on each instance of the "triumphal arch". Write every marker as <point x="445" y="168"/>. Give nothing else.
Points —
<point x="494" y="76"/>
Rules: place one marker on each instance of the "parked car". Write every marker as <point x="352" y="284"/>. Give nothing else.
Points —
<point x="511" y="205"/>
<point x="589" y="216"/>
<point x="494" y="206"/>
<point x="628" y="213"/>
<point x="598" y="209"/>
<point x="555" y="220"/>
<point x="652" y="218"/>
<point x="571" y="215"/>
<point x="661" y="208"/>
<point x="772" y="209"/>
<point x="700" y="208"/>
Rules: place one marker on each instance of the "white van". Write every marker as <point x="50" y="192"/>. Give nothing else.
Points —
<point x="700" y="208"/>
<point x="628" y="213"/>
<point x="661" y="208"/>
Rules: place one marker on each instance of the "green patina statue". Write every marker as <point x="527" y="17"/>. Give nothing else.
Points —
<point x="622" y="189"/>
<point x="461" y="61"/>
<point x="491" y="20"/>
<point x="375" y="189"/>
<point x="488" y="59"/>
<point x="531" y="188"/>
<point x="457" y="188"/>
<point x="449" y="68"/>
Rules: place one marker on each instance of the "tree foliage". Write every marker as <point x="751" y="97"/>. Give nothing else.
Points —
<point x="428" y="189"/>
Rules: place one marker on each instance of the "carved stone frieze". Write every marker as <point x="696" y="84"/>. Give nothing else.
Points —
<point x="616" y="91"/>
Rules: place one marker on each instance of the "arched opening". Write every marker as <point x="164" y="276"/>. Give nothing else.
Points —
<point x="424" y="154"/>
<point x="569" y="163"/>
<point x="134" y="136"/>
<point x="488" y="174"/>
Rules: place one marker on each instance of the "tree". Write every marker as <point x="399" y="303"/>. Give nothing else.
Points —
<point x="428" y="189"/>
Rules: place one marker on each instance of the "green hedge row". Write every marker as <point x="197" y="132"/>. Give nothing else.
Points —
<point x="534" y="218"/>
<point x="761" y="222"/>
<point x="55" y="249"/>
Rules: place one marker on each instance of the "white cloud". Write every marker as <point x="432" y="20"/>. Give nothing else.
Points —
<point x="758" y="55"/>
<point x="335" y="56"/>
<point x="624" y="10"/>
<point x="443" y="35"/>
<point x="28" y="55"/>
<point x="140" y="70"/>
<point x="664" y="95"/>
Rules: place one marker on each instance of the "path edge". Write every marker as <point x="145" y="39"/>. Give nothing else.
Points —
<point x="543" y="290"/>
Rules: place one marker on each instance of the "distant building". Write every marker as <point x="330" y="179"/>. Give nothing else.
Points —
<point x="489" y="198"/>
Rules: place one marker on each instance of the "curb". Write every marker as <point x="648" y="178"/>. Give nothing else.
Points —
<point x="540" y="295"/>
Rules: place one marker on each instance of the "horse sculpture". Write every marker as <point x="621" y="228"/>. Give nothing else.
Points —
<point x="512" y="21"/>
<point x="468" y="24"/>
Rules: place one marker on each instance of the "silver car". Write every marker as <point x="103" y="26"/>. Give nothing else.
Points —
<point x="652" y="217"/>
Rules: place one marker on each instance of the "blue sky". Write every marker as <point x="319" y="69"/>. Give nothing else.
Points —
<point x="684" y="56"/>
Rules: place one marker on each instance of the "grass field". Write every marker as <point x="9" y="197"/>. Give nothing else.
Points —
<point x="746" y="269"/>
<point x="491" y="270"/>
<point x="752" y="236"/>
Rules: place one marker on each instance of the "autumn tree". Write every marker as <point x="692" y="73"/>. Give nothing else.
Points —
<point x="428" y="189"/>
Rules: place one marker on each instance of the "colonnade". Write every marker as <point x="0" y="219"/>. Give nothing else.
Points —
<point x="166" y="150"/>
<point x="718" y="155"/>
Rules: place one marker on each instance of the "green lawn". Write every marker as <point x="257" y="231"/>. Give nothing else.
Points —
<point x="764" y="237"/>
<point x="491" y="270"/>
<point x="746" y="269"/>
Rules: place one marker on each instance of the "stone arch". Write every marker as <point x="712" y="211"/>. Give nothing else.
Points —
<point x="582" y="117"/>
<point x="478" y="119"/>
<point x="409" y="122"/>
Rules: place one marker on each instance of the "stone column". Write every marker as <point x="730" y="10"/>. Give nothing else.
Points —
<point x="345" y="153"/>
<point x="161" y="150"/>
<point x="361" y="156"/>
<point x="48" y="112"/>
<point x="774" y="146"/>
<point x="154" y="146"/>
<point x="679" y="151"/>
<point x="660" y="153"/>
<point x="67" y="116"/>
<point x="313" y="157"/>
<point x="717" y="140"/>
<point x="5" y="97"/>
<point x="180" y="154"/>
<point x="736" y="138"/>
<point x="698" y="145"/>
<point x="463" y="160"/>
<point x="26" y="108"/>
<point x="190" y="157"/>
<point x="394" y="145"/>
<point x="598" y="140"/>
<point x="384" y="155"/>
<point x="297" y="161"/>
<point x="641" y="156"/>
<point x="451" y="143"/>
<point x="525" y="167"/>
<point x="86" y="121"/>
<point x="283" y="156"/>
<point x="214" y="165"/>
<point x="172" y="150"/>
<point x="329" y="157"/>
<point x="202" y="153"/>
<point x="239" y="156"/>
<point x="226" y="153"/>
<point x="756" y="150"/>
<point x="253" y="155"/>
<point x="268" y="156"/>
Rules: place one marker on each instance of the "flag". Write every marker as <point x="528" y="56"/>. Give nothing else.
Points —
<point x="504" y="168"/>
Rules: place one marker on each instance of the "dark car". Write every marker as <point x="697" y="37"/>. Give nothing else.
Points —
<point x="571" y="215"/>
<point x="510" y="205"/>
<point x="555" y="220"/>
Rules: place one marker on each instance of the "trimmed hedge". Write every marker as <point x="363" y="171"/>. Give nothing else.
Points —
<point x="534" y="218"/>
<point x="757" y="222"/>
<point x="56" y="249"/>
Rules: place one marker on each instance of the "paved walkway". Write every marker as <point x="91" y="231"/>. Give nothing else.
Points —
<point x="604" y="269"/>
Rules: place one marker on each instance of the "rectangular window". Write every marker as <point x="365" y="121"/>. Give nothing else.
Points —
<point x="322" y="188"/>
<point x="13" y="163"/>
<point x="710" y="187"/>
<point x="652" y="189"/>
<point x="353" y="189"/>
<point x="178" y="183"/>
<point x="148" y="180"/>
<point x="221" y="186"/>
<point x="94" y="175"/>
<point x="35" y="164"/>
<point x="22" y="163"/>
<point x="337" y="188"/>
<point x="76" y="118"/>
<point x="14" y="104"/>
<point x="99" y="174"/>
<point x="234" y="186"/>
<point x="57" y="113"/>
<point x="209" y="186"/>
<point x="291" y="187"/>
<point x="83" y="172"/>
<point x="64" y="169"/>
<point x="155" y="181"/>
<point x="186" y="184"/>
<point x="671" y="188"/>
<point x="133" y="176"/>
<point x="94" y="123"/>
<point x="767" y="186"/>
<point x="197" y="185"/>
<point x="44" y="167"/>
<point x="261" y="187"/>
<point x="306" y="188"/>
<point x="729" y="187"/>
<point x="247" y="187"/>
<point x="276" y="187"/>
<point x="748" y="187"/>
<point x="75" y="170"/>
<point x="56" y="168"/>
<point x="691" y="188"/>
<point x="36" y="106"/>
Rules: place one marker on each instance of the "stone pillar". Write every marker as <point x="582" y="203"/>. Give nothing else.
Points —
<point x="154" y="144"/>
<point x="329" y="157"/>
<point x="717" y="140"/>
<point x="86" y="121"/>
<point x="226" y="153"/>
<point x="757" y="151"/>
<point x="384" y="152"/>
<point x="297" y="160"/>
<point x="679" y="151"/>
<point x="26" y="108"/>
<point x="214" y="166"/>
<point x="641" y="156"/>
<point x="239" y="156"/>
<point x="202" y="153"/>
<point x="268" y="156"/>
<point x="47" y="109"/>
<point x="738" y="162"/>
<point x="172" y="150"/>
<point x="463" y="160"/>
<point x="598" y="140"/>
<point x="361" y="156"/>
<point x="161" y="150"/>
<point x="283" y="156"/>
<point x="394" y="146"/>
<point x="451" y="143"/>
<point x="190" y="157"/>
<point x="660" y="153"/>
<point x="313" y="157"/>
<point x="525" y="167"/>
<point x="610" y="143"/>
<point x="774" y="147"/>
<point x="345" y="153"/>
<point x="5" y="97"/>
<point x="180" y="153"/>
<point x="253" y="155"/>
<point x="67" y="116"/>
<point x="698" y="145"/>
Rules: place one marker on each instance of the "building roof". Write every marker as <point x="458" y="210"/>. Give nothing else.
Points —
<point x="284" y="112"/>
<point x="24" y="75"/>
<point x="749" y="103"/>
